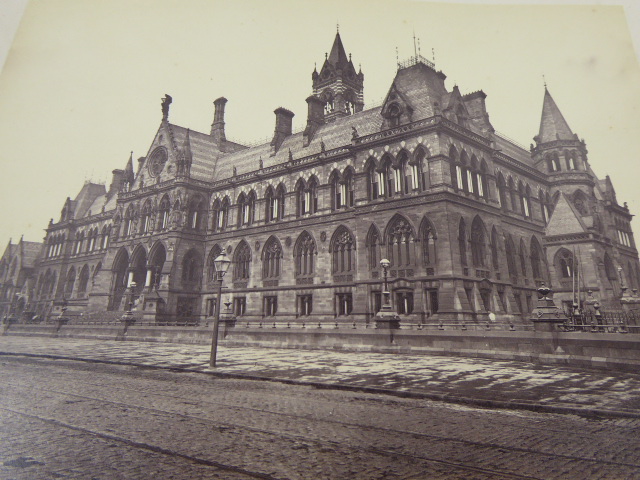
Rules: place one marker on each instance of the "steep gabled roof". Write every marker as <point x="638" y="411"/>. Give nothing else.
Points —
<point x="338" y="56"/>
<point x="553" y="126"/>
<point x="565" y="219"/>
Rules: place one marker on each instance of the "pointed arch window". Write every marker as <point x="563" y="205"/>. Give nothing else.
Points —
<point x="502" y="192"/>
<point x="401" y="243"/>
<point x="536" y="261"/>
<point x="523" y="258"/>
<point x="343" y="248"/>
<point x="211" y="266"/>
<point x="374" y="181"/>
<point x="373" y="247"/>
<point x="71" y="280"/>
<point x="191" y="270"/>
<point x="83" y="281"/>
<point x="164" y="208"/>
<point x="564" y="263"/>
<point x="510" y="252"/>
<point x="128" y="222"/>
<point x="242" y="262"/>
<point x="477" y="243"/>
<point x="553" y="162"/>
<point x="494" y="249"/>
<point x="462" y="243"/>
<point x="271" y="256"/>
<point x="428" y="239"/>
<point x="145" y="224"/>
<point x="220" y="214"/>
<point x="304" y="255"/>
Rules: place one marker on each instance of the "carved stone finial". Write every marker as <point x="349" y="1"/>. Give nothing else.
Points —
<point x="354" y="133"/>
<point x="235" y="171"/>
<point x="166" y="101"/>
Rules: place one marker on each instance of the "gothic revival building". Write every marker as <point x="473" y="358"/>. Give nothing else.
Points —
<point x="470" y="221"/>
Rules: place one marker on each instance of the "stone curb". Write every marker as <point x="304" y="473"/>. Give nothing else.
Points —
<point x="441" y="397"/>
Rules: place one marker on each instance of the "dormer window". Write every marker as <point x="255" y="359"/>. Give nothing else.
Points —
<point x="394" y="115"/>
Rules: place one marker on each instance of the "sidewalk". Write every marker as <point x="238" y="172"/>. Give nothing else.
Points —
<point x="473" y="381"/>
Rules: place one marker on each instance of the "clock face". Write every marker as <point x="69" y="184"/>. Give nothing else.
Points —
<point x="157" y="160"/>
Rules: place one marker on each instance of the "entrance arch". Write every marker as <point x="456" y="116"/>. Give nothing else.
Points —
<point x="120" y="278"/>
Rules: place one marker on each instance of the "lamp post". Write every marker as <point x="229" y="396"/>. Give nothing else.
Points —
<point x="221" y="264"/>
<point x="386" y="317"/>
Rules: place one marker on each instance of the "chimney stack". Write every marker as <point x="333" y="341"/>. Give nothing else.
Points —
<point x="116" y="182"/>
<point x="217" y="127"/>
<point x="315" y="118"/>
<point x="284" y="122"/>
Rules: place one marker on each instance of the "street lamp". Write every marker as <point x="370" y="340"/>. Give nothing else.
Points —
<point x="221" y="265"/>
<point x="386" y="317"/>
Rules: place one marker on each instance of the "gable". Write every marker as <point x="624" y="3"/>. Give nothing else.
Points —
<point x="564" y="219"/>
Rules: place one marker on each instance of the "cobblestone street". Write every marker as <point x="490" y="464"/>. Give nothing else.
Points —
<point x="69" y="419"/>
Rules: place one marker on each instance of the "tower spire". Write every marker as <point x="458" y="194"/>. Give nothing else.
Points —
<point x="553" y="126"/>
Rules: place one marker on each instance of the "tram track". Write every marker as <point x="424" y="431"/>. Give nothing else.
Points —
<point x="343" y="424"/>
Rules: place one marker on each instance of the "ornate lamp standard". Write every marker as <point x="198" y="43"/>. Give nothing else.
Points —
<point x="386" y="317"/>
<point x="221" y="264"/>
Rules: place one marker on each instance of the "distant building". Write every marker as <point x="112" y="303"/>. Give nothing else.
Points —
<point x="471" y="222"/>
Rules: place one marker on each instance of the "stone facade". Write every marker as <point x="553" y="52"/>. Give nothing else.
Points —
<point x="471" y="222"/>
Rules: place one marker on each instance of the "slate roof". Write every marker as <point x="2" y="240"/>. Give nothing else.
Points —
<point x="553" y="126"/>
<point x="210" y="164"/>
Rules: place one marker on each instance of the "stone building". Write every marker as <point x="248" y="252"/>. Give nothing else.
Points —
<point x="17" y="278"/>
<point x="470" y="221"/>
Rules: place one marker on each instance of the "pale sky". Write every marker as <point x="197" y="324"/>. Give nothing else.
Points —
<point x="82" y="84"/>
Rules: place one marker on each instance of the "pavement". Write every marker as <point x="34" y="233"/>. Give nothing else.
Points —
<point x="479" y="382"/>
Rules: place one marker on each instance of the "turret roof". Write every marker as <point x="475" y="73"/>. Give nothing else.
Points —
<point x="553" y="126"/>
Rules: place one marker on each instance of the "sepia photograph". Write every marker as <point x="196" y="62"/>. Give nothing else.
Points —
<point x="372" y="240"/>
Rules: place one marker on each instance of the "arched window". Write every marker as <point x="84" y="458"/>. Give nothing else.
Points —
<point x="146" y="222"/>
<point x="373" y="188"/>
<point x="570" y="158"/>
<point x="271" y="256"/>
<point x="343" y="251"/>
<point x="513" y="195"/>
<point x="494" y="249"/>
<point x="342" y="189"/>
<point x="467" y="184"/>
<point x="523" y="258"/>
<point x="304" y="253"/>
<point x="373" y="247"/>
<point x="564" y="263"/>
<point x="428" y="239"/>
<point x="164" y="209"/>
<point x="270" y="205"/>
<point x="220" y="214"/>
<point x="402" y="174"/>
<point x="553" y="162"/>
<point x="609" y="269"/>
<point x="536" y="256"/>
<point x="192" y="270"/>
<point x="510" y="251"/>
<point x="581" y="202"/>
<point x="401" y="242"/>
<point x="386" y="177"/>
<point x="502" y="192"/>
<point x="83" y="281"/>
<point x="242" y="262"/>
<point x="477" y="242"/>
<point x="415" y="179"/>
<point x="211" y="267"/>
<point x="128" y="221"/>
<point x="307" y="196"/>
<point x="196" y="213"/>
<point x="79" y="242"/>
<point x="71" y="280"/>
<point x="456" y="168"/>
<point x="525" y="204"/>
<point x="106" y="232"/>
<point x="462" y="242"/>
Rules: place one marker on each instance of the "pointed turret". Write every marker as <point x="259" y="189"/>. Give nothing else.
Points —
<point x="553" y="126"/>
<point x="186" y="157"/>
<point x="338" y="85"/>
<point x="338" y="56"/>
